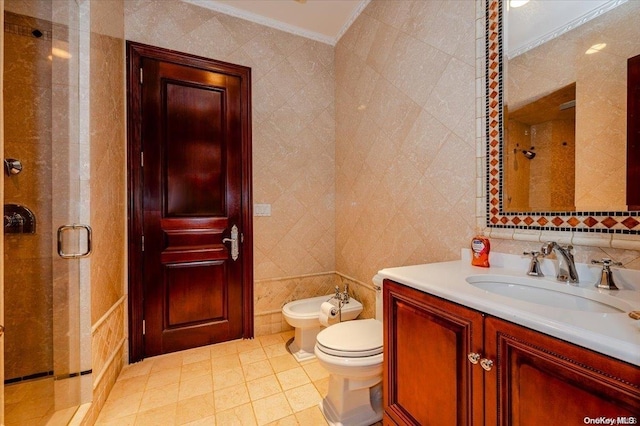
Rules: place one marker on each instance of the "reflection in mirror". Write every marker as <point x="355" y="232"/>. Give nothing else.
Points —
<point x="539" y="156"/>
<point x="567" y="99"/>
<point x="583" y="72"/>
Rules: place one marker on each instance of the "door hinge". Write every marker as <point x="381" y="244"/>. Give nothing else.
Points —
<point x="144" y="327"/>
<point x="143" y="243"/>
<point x="141" y="78"/>
<point x="141" y="158"/>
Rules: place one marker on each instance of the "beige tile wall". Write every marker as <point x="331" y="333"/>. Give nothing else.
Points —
<point x="108" y="176"/>
<point x="405" y="135"/>
<point x="107" y="186"/>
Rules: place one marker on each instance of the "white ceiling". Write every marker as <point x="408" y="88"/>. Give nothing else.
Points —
<point x="539" y="21"/>
<point x="321" y="20"/>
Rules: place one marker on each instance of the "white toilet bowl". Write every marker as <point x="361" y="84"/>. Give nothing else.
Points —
<point x="352" y="353"/>
<point x="304" y="316"/>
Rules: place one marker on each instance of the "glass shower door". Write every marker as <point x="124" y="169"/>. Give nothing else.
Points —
<point x="42" y="356"/>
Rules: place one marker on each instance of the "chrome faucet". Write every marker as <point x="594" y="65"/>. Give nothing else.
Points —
<point x="566" y="265"/>
<point x="342" y="297"/>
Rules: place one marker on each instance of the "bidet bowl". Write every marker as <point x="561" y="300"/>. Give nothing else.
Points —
<point x="304" y="313"/>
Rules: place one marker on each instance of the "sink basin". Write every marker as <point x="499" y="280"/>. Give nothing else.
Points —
<point x="552" y="294"/>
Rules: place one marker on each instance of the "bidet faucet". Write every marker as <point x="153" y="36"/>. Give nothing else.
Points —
<point x="566" y="265"/>
<point x="342" y="297"/>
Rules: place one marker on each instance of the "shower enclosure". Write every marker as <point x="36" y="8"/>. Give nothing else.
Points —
<point x="46" y="363"/>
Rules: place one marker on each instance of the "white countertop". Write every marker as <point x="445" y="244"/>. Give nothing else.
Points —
<point x="613" y="334"/>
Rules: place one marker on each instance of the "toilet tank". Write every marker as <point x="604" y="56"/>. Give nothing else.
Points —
<point x="377" y="284"/>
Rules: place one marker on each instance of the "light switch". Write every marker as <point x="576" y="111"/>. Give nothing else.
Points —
<point x="262" y="209"/>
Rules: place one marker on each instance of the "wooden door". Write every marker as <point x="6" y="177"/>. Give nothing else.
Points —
<point x="190" y="174"/>
<point x="428" y="379"/>
<point x="540" y="380"/>
<point x="633" y="133"/>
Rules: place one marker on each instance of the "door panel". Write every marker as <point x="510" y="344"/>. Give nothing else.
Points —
<point x="195" y="173"/>
<point x="193" y="187"/>
<point x="195" y="293"/>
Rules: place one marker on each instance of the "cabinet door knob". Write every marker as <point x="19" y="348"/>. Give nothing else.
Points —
<point x="487" y="364"/>
<point x="473" y="357"/>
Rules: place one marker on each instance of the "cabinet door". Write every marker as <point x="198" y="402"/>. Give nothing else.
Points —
<point x="541" y="380"/>
<point x="428" y="379"/>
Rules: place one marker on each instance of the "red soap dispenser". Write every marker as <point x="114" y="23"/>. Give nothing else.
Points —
<point x="480" y="247"/>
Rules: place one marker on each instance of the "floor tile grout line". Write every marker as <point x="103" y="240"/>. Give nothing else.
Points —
<point x="260" y="343"/>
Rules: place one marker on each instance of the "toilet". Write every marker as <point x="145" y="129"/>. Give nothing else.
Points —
<point x="352" y="353"/>
<point x="304" y="316"/>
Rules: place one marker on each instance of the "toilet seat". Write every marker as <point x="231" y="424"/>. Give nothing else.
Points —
<point x="352" y="339"/>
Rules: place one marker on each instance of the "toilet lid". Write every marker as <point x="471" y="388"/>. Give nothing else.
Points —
<point x="352" y="338"/>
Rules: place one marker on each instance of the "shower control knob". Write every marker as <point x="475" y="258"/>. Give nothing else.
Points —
<point x="12" y="166"/>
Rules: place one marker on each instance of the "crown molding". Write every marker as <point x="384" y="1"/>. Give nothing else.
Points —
<point x="268" y="22"/>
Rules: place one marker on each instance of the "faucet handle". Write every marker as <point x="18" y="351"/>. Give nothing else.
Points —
<point x="606" y="262"/>
<point x="534" y="266"/>
<point x="606" y="276"/>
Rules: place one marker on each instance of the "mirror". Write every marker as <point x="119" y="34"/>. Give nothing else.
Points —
<point x="563" y="167"/>
<point x="586" y="128"/>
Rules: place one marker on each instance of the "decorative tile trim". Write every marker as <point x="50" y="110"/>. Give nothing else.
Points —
<point x="590" y="221"/>
<point x="107" y="340"/>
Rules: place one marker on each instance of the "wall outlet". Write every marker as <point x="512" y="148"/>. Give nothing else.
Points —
<point x="262" y="209"/>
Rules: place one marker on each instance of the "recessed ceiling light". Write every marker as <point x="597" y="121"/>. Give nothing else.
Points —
<point x="596" y="48"/>
<point x="518" y="3"/>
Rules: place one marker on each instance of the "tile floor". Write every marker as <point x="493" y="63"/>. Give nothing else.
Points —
<point x="32" y="403"/>
<point x="247" y="382"/>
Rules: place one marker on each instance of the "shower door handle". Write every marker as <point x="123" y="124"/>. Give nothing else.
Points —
<point x="61" y="232"/>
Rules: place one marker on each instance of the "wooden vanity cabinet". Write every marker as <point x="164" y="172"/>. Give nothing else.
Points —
<point x="428" y="379"/>
<point x="540" y="380"/>
<point x="520" y="376"/>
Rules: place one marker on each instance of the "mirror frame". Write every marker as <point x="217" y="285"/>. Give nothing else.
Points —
<point x="620" y="222"/>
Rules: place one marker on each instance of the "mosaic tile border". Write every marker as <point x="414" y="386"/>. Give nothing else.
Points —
<point x="590" y="221"/>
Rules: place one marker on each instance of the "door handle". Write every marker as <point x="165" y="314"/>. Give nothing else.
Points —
<point x="234" y="242"/>
<point x="65" y="228"/>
